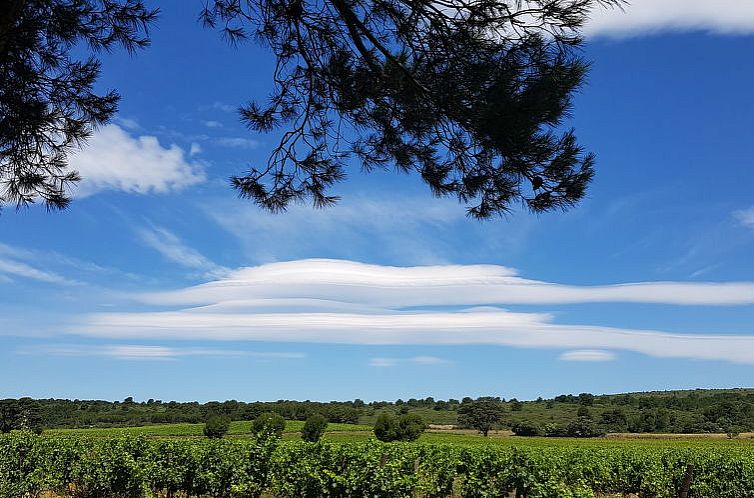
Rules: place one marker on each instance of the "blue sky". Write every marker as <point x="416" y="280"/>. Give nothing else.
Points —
<point x="159" y="283"/>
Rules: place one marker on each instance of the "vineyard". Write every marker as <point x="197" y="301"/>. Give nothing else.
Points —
<point x="136" y="467"/>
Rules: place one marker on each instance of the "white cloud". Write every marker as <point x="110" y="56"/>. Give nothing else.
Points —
<point x="745" y="217"/>
<point x="326" y="301"/>
<point x="407" y="230"/>
<point x="173" y="249"/>
<point x="437" y="285"/>
<point x="429" y="360"/>
<point x="649" y="16"/>
<point x="213" y="124"/>
<point x="589" y="355"/>
<point x="383" y="362"/>
<point x="142" y="352"/>
<point x="237" y="142"/>
<point x="416" y="360"/>
<point x="19" y="269"/>
<point x="114" y="160"/>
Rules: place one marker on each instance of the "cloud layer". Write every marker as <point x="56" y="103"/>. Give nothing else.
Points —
<point x="114" y="160"/>
<point x="333" y="301"/>
<point x="647" y="16"/>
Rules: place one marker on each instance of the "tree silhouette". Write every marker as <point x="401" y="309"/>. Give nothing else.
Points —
<point x="470" y="95"/>
<point x="47" y="105"/>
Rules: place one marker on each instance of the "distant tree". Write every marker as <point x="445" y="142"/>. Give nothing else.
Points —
<point x="615" y="418"/>
<point x="583" y="411"/>
<point x="471" y="96"/>
<point x="403" y="410"/>
<point x="384" y="427"/>
<point x="516" y="405"/>
<point x="410" y="427"/>
<point x="583" y="427"/>
<point x="10" y="415"/>
<point x="268" y="423"/>
<point x="216" y="426"/>
<point x="48" y="106"/>
<point x="555" y="430"/>
<point x="314" y="428"/>
<point x="586" y="399"/>
<point x="482" y="415"/>
<point x="527" y="429"/>
<point x="407" y="427"/>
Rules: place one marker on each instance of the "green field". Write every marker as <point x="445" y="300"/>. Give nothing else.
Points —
<point x="351" y="433"/>
<point x="238" y="428"/>
<point x="352" y="464"/>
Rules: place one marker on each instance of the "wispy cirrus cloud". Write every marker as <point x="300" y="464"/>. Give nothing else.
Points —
<point x="10" y="267"/>
<point x="588" y="355"/>
<point x="332" y="301"/>
<point x="745" y="217"/>
<point x="173" y="249"/>
<point x="150" y="352"/>
<point x="640" y="17"/>
<point x="416" y="360"/>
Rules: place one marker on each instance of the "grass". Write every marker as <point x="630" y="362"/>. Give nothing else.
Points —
<point x="346" y="433"/>
<point x="238" y="428"/>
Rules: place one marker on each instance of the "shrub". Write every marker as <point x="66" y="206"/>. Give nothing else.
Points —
<point x="268" y="423"/>
<point x="314" y="428"/>
<point x="216" y="426"/>
<point x="527" y="429"/>
<point x="584" y="427"/>
<point x="406" y="427"/>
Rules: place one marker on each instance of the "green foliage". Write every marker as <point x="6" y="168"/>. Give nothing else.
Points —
<point x="407" y="427"/>
<point x="47" y="96"/>
<point x="314" y="428"/>
<point x="583" y="427"/>
<point x="216" y="426"/>
<point x="484" y="414"/>
<point x="127" y="467"/>
<point x="527" y="429"/>
<point x="268" y="424"/>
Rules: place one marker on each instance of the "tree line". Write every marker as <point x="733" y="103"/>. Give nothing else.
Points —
<point x="679" y="411"/>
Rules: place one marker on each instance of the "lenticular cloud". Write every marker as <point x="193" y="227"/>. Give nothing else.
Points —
<point x="332" y="301"/>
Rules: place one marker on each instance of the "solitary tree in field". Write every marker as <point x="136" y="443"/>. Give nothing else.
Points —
<point x="268" y="424"/>
<point x="216" y="426"/>
<point x="314" y="428"/>
<point x="407" y="427"/>
<point x="48" y="107"/>
<point x="483" y="415"/>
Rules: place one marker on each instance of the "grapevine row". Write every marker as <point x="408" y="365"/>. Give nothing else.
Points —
<point x="127" y="467"/>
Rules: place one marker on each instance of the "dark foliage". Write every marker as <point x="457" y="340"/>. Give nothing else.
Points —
<point x="268" y="423"/>
<point x="216" y="426"/>
<point x="584" y="427"/>
<point x="406" y="427"/>
<point x="19" y="414"/>
<point x="314" y="428"/>
<point x="48" y="107"/>
<point x="471" y="96"/>
<point x="483" y="414"/>
<point x="527" y="429"/>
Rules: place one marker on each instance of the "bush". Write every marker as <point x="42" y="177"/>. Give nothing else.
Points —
<point x="216" y="426"/>
<point x="527" y="429"/>
<point x="268" y="423"/>
<point x="584" y="427"/>
<point x="406" y="427"/>
<point x="314" y="428"/>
